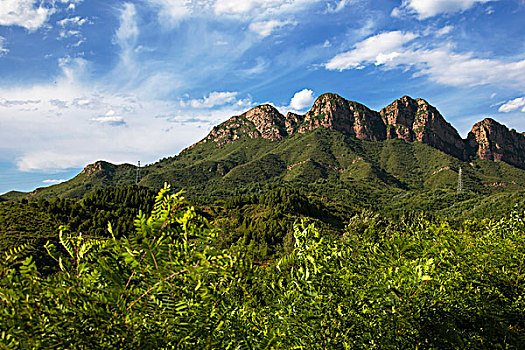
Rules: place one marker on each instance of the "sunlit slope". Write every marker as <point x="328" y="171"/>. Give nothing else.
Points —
<point x="322" y="156"/>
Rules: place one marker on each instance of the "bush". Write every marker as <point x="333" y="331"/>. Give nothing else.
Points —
<point x="422" y="285"/>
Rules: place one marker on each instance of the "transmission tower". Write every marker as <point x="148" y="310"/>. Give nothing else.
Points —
<point x="460" y="180"/>
<point x="137" y="180"/>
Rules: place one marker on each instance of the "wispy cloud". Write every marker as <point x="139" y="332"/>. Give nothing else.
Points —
<point x="262" y="16"/>
<point x="53" y="181"/>
<point x="3" y="50"/>
<point x="513" y="105"/>
<point x="440" y="63"/>
<point x="127" y="33"/>
<point x="215" y="99"/>
<point x="377" y="49"/>
<point x="338" y="6"/>
<point x="12" y="103"/>
<point x="265" y="28"/>
<point x="424" y="9"/>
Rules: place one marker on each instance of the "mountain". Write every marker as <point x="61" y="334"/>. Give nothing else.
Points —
<point x="339" y="149"/>
<point x="493" y="141"/>
<point x="411" y="120"/>
<point x="416" y="120"/>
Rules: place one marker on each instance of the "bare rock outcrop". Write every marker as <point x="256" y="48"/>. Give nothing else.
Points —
<point x="493" y="141"/>
<point x="416" y="120"/>
<point x="411" y="120"/>
<point x="263" y="121"/>
<point x="334" y="112"/>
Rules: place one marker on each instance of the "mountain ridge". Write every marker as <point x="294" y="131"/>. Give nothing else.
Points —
<point x="408" y="119"/>
<point x="405" y="146"/>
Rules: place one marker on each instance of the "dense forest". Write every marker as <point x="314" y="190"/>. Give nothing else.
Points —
<point x="317" y="241"/>
<point x="169" y="282"/>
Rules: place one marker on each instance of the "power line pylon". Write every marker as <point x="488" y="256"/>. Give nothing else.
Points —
<point x="460" y="180"/>
<point x="137" y="179"/>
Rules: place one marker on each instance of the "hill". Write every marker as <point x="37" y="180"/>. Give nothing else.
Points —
<point x="259" y="172"/>
<point x="404" y="156"/>
<point x="407" y="146"/>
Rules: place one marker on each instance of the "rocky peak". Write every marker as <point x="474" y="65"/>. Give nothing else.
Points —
<point x="268" y="121"/>
<point x="416" y="120"/>
<point x="494" y="141"/>
<point x="263" y="121"/>
<point x="406" y="118"/>
<point x="334" y="112"/>
<point x="399" y="117"/>
<point x="97" y="167"/>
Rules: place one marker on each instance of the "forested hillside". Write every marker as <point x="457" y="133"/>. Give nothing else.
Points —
<point x="412" y="283"/>
<point x="342" y="228"/>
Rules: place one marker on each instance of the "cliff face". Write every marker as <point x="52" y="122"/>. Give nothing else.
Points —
<point x="416" y="120"/>
<point x="412" y="120"/>
<point x="97" y="168"/>
<point x="329" y="111"/>
<point x="259" y="122"/>
<point x="493" y="141"/>
<point x="334" y="112"/>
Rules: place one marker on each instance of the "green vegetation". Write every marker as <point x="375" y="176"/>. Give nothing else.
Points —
<point x="33" y="223"/>
<point x="316" y="241"/>
<point x="411" y="283"/>
<point x="380" y="169"/>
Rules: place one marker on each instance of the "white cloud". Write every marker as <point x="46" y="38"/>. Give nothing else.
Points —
<point x="110" y="118"/>
<point x="172" y="11"/>
<point x="339" y="6"/>
<point x="75" y="21"/>
<point x="377" y="49"/>
<point x="215" y="99"/>
<point x="301" y="100"/>
<point x="3" y="50"/>
<point x="423" y="9"/>
<point x="72" y="4"/>
<point x="265" y="28"/>
<point x="440" y="63"/>
<point x="24" y="13"/>
<point x="513" y="105"/>
<point x="53" y="181"/>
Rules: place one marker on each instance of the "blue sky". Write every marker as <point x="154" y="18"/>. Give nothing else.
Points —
<point x="140" y="80"/>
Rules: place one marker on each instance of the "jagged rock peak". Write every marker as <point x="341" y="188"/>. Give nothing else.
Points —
<point x="494" y="141"/>
<point x="96" y="167"/>
<point x="417" y="120"/>
<point x="406" y="118"/>
<point x="263" y="121"/>
<point x="334" y="112"/>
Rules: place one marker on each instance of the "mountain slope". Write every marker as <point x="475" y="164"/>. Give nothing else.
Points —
<point x="339" y="147"/>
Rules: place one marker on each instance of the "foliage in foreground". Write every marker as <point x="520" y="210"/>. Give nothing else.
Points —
<point x="418" y="285"/>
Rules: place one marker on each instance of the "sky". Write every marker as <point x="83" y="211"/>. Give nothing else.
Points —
<point x="122" y="81"/>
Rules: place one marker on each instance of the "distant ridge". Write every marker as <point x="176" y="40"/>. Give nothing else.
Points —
<point x="408" y="119"/>
<point x="406" y="146"/>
